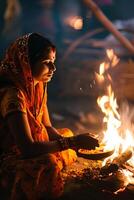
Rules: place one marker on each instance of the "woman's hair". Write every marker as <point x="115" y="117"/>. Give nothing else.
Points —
<point x="38" y="47"/>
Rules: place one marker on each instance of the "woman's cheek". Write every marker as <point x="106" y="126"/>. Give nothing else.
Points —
<point x="45" y="70"/>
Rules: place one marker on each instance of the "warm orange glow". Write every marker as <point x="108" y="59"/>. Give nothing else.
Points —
<point x="112" y="57"/>
<point x="115" y="136"/>
<point x="75" y="22"/>
<point x="99" y="78"/>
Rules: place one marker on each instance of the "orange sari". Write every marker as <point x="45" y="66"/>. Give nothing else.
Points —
<point x="39" y="177"/>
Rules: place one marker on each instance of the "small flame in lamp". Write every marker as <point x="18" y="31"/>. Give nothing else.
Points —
<point x="114" y="136"/>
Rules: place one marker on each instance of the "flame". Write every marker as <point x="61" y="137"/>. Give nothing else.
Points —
<point x="115" y="137"/>
<point x="112" y="57"/>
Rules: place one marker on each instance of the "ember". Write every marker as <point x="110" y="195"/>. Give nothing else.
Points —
<point x="116" y="163"/>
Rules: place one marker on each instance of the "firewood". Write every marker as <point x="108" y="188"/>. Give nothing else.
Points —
<point x="110" y="183"/>
<point x="107" y="169"/>
<point x="116" y="163"/>
<point x="130" y="188"/>
<point x="128" y="167"/>
<point x="124" y="157"/>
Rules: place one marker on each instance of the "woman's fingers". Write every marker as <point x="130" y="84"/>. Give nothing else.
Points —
<point x="86" y="141"/>
<point x="94" y="141"/>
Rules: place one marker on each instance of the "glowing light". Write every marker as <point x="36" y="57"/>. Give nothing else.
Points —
<point x="115" y="136"/>
<point x="75" y="22"/>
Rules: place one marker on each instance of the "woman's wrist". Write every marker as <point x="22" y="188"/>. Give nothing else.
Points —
<point x="53" y="133"/>
<point x="67" y="143"/>
<point x="72" y="142"/>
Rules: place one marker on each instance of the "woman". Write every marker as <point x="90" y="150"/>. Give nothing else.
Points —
<point x="34" y="152"/>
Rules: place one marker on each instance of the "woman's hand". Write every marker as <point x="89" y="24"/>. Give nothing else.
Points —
<point x="85" y="141"/>
<point x="53" y="133"/>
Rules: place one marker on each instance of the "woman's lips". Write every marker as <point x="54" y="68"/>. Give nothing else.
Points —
<point x="48" y="75"/>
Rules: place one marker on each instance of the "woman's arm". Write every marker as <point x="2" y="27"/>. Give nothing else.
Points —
<point x="52" y="132"/>
<point x="46" y="118"/>
<point x="20" y="129"/>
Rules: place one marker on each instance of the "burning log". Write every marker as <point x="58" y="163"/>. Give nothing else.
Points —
<point x="111" y="183"/>
<point x="128" y="167"/>
<point x="110" y="178"/>
<point x="116" y="163"/>
<point x="120" y="160"/>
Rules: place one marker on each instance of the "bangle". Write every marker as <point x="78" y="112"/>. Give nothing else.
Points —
<point x="72" y="142"/>
<point x="64" y="143"/>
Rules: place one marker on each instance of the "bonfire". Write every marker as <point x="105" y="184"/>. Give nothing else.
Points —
<point x="117" y="144"/>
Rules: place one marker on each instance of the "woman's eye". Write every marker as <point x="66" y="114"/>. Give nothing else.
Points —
<point x="46" y="62"/>
<point x="49" y="64"/>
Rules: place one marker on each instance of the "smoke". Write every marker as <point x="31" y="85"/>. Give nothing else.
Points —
<point x="126" y="117"/>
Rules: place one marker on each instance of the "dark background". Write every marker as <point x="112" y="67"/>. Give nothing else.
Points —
<point x="52" y="18"/>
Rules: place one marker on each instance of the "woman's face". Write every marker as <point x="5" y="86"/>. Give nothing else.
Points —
<point x="43" y="69"/>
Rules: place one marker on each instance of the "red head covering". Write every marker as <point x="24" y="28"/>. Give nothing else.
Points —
<point x="16" y="67"/>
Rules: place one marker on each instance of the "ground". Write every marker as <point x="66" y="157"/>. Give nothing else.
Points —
<point x="83" y="182"/>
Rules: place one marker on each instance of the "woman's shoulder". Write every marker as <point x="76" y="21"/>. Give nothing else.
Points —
<point x="10" y="88"/>
<point x="12" y="98"/>
<point x="14" y="90"/>
<point x="11" y="92"/>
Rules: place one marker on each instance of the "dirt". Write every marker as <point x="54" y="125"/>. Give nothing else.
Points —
<point x="83" y="182"/>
